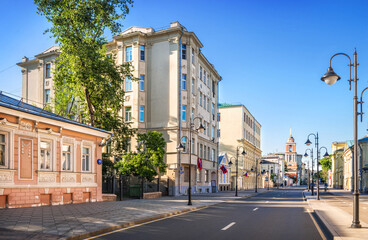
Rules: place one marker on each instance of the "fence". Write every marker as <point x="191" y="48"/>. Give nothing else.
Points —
<point x="127" y="187"/>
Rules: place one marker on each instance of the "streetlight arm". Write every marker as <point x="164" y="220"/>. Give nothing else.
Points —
<point x="350" y="65"/>
<point x="323" y="148"/>
<point x="361" y="105"/>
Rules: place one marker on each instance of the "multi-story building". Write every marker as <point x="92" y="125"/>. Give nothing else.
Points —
<point x="224" y="172"/>
<point x="176" y="84"/>
<point x="239" y="128"/>
<point x="337" y="164"/>
<point x="276" y="164"/>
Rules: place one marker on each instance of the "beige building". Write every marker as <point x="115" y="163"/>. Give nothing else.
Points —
<point x="337" y="176"/>
<point x="177" y="83"/>
<point x="239" y="128"/>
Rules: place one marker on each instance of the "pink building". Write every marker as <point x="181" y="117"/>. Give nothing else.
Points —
<point x="46" y="159"/>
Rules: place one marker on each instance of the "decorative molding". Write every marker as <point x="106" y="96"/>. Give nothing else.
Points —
<point x="6" y="176"/>
<point x="6" y="123"/>
<point x="25" y="126"/>
<point x="46" y="177"/>
<point x="68" y="178"/>
<point x="48" y="131"/>
<point x="88" y="178"/>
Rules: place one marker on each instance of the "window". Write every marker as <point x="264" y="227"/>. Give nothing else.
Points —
<point x="45" y="154"/>
<point x="47" y="96"/>
<point x="128" y="114"/>
<point x="128" y="84"/>
<point x="48" y="70"/>
<point x="183" y="82"/>
<point x="208" y="80"/>
<point x="184" y="113"/>
<point x="204" y="152"/>
<point x="213" y="132"/>
<point x="192" y="114"/>
<point x="209" y="153"/>
<point x="200" y="150"/>
<point x="86" y="158"/>
<point x="3" y="150"/>
<point x="200" y="99"/>
<point x="200" y="73"/>
<point x="213" y="155"/>
<point x="67" y="157"/>
<point x="128" y="54"/>
<point x="192" y="55"/>
<point x="142" y="53"/>
<point x="204" y="77"/>
<point x="199" y="175"/>
<point x="193" y="145"/>
<point x="184" y="51"/>
<point x="184" y="142"/>
<point x="193" y="86"/>
<point x="141" y="83"/>
<point x="208" y="104"/>
<point x="205" y="127"/>
<point x="141" y="113"/>
<point x="206" y="175"/>
<point x="204" y="101"/>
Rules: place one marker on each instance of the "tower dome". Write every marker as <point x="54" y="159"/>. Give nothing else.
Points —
<point x="291" y="139"/>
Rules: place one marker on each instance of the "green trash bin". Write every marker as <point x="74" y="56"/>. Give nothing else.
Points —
<point x="134" y="191"/>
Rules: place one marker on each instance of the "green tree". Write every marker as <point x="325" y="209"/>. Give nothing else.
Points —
<point x="88" y="83"/>
<point x="148" y="160"/>
<point x="326" y="165"/>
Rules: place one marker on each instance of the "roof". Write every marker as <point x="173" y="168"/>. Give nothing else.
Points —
<point x="19" y="105"/>
<point x="222" y="156"/>
<point x="223" y="105"/>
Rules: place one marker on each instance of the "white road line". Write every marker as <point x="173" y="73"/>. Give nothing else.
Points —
<point x="267" y="201"/>
<point x="228" y="226"/>
<point x="255" y="209"/>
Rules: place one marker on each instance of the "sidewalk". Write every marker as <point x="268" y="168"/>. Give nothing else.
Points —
<point x="74" y="221"/>
<point x="332" y="212"/>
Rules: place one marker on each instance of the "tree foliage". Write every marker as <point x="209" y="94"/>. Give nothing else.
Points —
<point x="326" y="165"/>
<point x="148" y="160"/>
<point x="88" y="83"/>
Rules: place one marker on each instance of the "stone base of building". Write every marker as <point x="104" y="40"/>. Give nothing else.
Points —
<point x="35" y="197"/>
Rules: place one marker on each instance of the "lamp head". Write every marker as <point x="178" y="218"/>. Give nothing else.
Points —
<point x="180" y="148"/>
<point x="243" y="153"/>
<point x="326" y="155"/>
<point x="230" y="163"/>
<point x="305" y="155"/>
<point x="201" y="128"/>
<point x="330" y="77"/>
<point x="308" y="142"/>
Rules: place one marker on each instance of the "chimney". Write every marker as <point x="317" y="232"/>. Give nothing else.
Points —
<point x="24" y="59"/>
<point x="175" y="24"/>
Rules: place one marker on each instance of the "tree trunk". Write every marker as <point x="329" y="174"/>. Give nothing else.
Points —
<point x="90" y="108"/>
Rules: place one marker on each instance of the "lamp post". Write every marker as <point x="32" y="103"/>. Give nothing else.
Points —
<point x="330" y="78"/>
<point x="308" y="142"/>
<point x="306" y="155"/>
<point x="181" y="148"/>
<point x="236" y="165"/>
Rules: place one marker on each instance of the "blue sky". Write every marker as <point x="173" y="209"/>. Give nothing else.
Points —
<point x="271" y="55"/>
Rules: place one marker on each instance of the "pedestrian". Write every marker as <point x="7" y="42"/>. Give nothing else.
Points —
<point x="325" y="187"/>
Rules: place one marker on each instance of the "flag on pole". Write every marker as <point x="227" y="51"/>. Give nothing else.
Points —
<point x="199" y="163"/>
<point x="223" y="169"/>
<point x="246" y="174"/>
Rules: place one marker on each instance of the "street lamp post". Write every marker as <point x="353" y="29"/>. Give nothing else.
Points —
<point x="236" y="165"/>
<point x="308" y="142"/>
<point x="330" y="78"/>
<point x="256" y="168"/>
<point x="306" y="155"/>
<point x="182" y="149"/>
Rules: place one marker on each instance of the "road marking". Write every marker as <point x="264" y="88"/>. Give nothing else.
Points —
<point x="255" y="209"/>
<point x="228" y="226"/>
<point x="267" y="201"/>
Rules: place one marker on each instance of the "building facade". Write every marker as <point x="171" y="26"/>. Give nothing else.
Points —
<point x="337" y="176"/>
<point x="224" y="172"/>
<point x="176" y="85"/>
<point x="46" y="159"/>
<point x="276" y="164"/>
<point x="239" y="128"/>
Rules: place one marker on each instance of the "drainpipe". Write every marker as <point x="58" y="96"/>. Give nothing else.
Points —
<point x="179" y="107"/>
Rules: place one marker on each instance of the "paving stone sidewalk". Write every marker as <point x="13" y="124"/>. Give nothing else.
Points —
<point x="73" y="220"/>
<point x="334" y="215"/>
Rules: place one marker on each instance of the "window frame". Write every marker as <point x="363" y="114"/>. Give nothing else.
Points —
<point x="90" y="154"/>
<point x="40" y="160"/>
<point x="128" y="84"/>
<point x="183" y="82"/>
<point x="48" y="70"/>
<point x="6" y="149"/>
<point x="142" y="51"/>
<point x="130" y="113"/>
<point x="130" y="54"/>
<point x="184" y="113"/>
<point x="71" y="157"/>
<point x="183" y="51"/>
<point x="141" y="82"/>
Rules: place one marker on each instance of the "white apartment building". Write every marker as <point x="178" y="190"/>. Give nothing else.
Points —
<point x="239" y="128"/>
<point x="176" y="83"/>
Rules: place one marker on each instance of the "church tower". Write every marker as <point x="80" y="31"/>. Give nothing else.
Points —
<point x="291" y="157"/>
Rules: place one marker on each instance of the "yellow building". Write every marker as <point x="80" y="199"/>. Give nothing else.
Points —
<point x="337" y="164"/>
<point x="239" y="128"/>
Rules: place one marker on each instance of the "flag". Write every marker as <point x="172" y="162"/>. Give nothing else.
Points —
<point x="246" y="174"/>
<point x="199" y="163"/>
<point x="223" y="169"/>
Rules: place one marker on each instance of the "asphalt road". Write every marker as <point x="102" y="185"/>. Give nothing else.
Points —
<point x="278" y="214"/>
